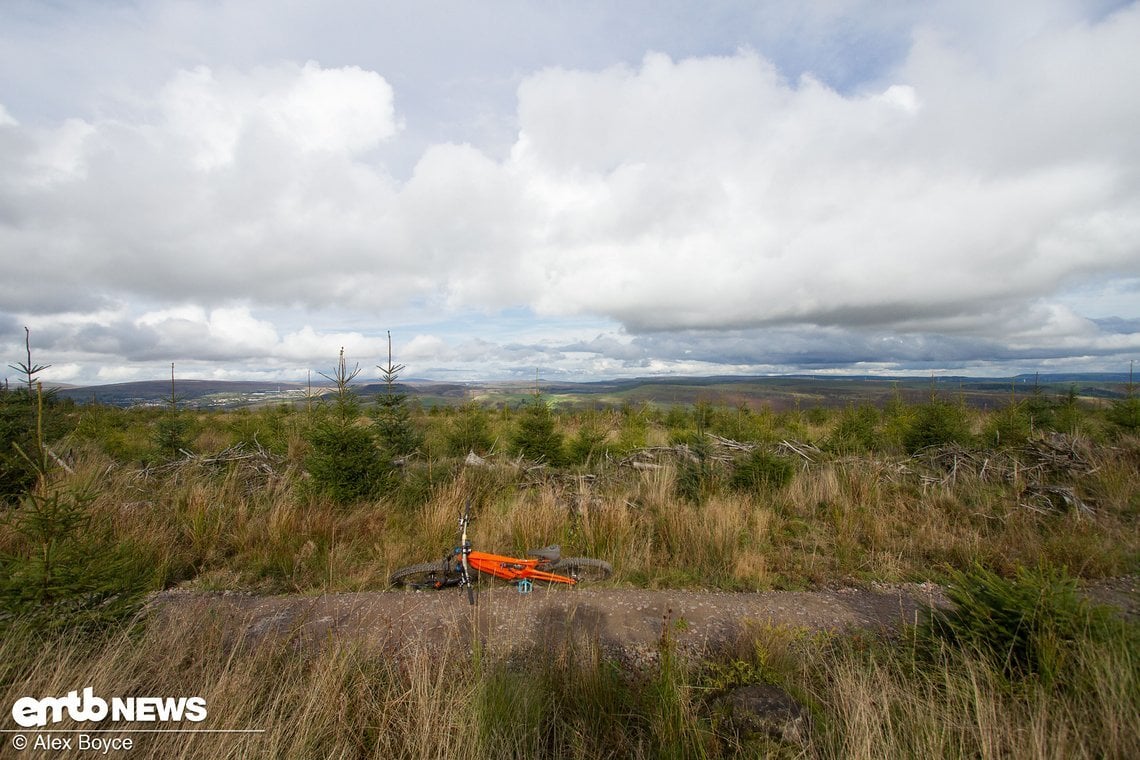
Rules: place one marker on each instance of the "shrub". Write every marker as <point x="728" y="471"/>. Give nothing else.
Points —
<point x="1027" y="626"/>
<point x="677" y="418"/>
<point x="17" y="434"/>
<point x="697" y="479"/>
<point x="172" y="435"/>
<point x="856" y="430"/>
<point x="634" y="431"/>
<point x="63" y="570"/>
<point x="1009" y="427"/>
<point x="740" y="423"/>
<point x="268" y="428"/>
<point x="469" y="431"/>
<point x="761" y="470"/>
<point x="392" y="417"/>
<point x="536" y="436"/>
<point x="1125" y="413"/>
<point x="27" y="421"/>
<point x="589" y="441"/>
<point x="937" y="423"/>
<point x="69" y="572"/>
<point x="1039" y="410"/>
<point x="1069" y="416"/>
<point x="344" y="461"/>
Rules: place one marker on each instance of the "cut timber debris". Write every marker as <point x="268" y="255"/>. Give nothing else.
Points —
<point x="1043" y="498"/>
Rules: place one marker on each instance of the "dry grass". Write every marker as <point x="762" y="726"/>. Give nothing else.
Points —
<point x="340" y="701"/>
<point x="883" y="707"/>
<point x="841" y="519"/>
<point x="870" y="698"/>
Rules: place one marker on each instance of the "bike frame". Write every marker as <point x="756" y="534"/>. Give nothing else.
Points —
<point x="461" y="565"/>
<point x="514" y="568"/>
<point x="499" y="565"/>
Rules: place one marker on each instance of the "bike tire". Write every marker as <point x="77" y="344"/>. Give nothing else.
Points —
<point x="583" y="569"/>
<point x="422" y="576"/>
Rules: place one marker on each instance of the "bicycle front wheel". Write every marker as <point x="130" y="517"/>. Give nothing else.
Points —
<point x="583" y="569"/>
<point x="426" y="575"/>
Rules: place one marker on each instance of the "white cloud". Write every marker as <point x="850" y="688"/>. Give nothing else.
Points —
<point x="346" y="110"/>
<point x="794" y="203"/>
<point x="424" y="348"/>
<point x="232" y="210"/>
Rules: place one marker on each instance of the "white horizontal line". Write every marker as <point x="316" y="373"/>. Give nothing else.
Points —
<point x="132" y="731"/>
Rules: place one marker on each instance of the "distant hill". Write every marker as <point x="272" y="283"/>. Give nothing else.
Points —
<point x="805" y="391"/>
<point x="776" y="392"/>
<point x="187" y="392"/>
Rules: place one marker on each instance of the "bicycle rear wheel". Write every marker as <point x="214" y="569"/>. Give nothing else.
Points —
<point x="426" y="575"/>
<point x="583" y="569"/>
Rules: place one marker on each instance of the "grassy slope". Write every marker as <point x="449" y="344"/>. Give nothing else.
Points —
<point x="249" y="519"/>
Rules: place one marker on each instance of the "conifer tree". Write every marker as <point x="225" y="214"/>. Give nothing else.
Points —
<point x="536" y="436"/>
<point x="344" y="461"/>
<point x="392" y="417"/>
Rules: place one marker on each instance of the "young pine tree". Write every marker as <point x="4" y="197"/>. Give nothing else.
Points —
<point x="392" y="418"/>
<point x="344" y="461"/>
<point x="536" y="435"/>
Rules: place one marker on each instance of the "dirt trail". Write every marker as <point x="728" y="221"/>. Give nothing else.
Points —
<point x="627" y="620"/>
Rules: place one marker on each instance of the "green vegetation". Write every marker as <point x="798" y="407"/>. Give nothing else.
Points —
<point x="392" y="418"/>
<point x="536" y="435"/>
<point x="284" y="498"/>
<point x="1026" y="627"/>
<point x="344" y="462"/>
<point x="170" y="433"/>
<point x="862" y="695"/>
<point x="102" y="505"/>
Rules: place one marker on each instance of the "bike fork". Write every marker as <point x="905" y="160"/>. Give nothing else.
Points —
<point x="465" y="572"/>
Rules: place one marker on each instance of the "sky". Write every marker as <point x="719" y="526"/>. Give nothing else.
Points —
<point x="575" y="190"/>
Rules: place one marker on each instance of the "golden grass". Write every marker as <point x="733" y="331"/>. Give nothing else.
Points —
<point x="346" y="699"/>
<point x="880" y="707"/>
<point x="841" y="519"/>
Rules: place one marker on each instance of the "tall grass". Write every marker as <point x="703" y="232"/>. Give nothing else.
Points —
<point x="861" y="510"/>
<point x="843" y="518"/>
<point x="869" y="697"/>
<point x="880" y="705"/>
<point x="422" y="699"/>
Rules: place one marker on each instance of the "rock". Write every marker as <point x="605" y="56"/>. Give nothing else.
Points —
<point x="766" y="709"/>
<point x="474" y="460"/>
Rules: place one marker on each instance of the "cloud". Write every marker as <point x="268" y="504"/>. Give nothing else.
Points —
<point x="947" y="198"/>
<point x="346" y="110"/>
<point x="229" y="186"/>
<point x="802" y="205"/>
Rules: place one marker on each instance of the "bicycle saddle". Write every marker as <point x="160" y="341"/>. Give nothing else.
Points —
<point x="552" y="553"/>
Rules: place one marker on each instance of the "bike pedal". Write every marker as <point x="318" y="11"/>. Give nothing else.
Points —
<point x="524" y="586"/>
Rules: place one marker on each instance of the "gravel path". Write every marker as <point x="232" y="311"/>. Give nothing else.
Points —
<point x="625" y="619"/>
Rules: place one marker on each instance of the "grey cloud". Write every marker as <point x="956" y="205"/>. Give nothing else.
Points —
<point x="830" y="348"/>
<point x="1118" y="326"/>
<point x="632" y="352"/>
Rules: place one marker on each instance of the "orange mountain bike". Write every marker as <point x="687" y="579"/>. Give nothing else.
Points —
<point x="463" y="565"/>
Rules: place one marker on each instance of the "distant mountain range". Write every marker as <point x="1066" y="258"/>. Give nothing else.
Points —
<point x="778" y="392"/>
